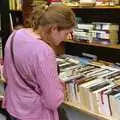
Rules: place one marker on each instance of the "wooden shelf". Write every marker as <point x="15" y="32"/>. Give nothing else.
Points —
<point x="94" y="44"/>
<point x="95" y="7"/>
<point x="107" y="7"/>
<point x="94" y="115"/>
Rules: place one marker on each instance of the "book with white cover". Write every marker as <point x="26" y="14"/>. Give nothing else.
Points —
<point x="114" y="98"/>
<point x="83" y="88"/>
<point x="94" y="96"/>
<point x="104" y="104"/>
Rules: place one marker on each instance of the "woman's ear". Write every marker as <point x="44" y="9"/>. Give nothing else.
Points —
<point x="47" y="29"/>
<point x="54" y="29"/>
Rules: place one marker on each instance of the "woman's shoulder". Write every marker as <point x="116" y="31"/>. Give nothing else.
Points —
<point x="37" y="44"/>
<point x="45" y="48"/>
<point x="20" y="31"/>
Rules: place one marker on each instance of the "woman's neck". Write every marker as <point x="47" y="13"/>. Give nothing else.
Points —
<point x="33" y="33"/>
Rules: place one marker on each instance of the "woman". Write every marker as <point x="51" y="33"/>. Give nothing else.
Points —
<point x="34" y="91"/>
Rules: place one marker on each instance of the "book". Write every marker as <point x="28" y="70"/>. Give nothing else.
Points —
<point x="115" y="103"/>
<point x="94" y="94"/>
<point x="84" y="88"/>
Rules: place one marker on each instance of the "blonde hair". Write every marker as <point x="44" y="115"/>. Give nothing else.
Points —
<point x="59" y="15"/>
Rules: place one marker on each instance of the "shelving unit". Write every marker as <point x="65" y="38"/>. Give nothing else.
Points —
<point x="5" y="22"/>
<point x="94" y="44"/>
<point x="17" y="17"/>
<point x="90" y="14"/>
<point x="104" y="52"/>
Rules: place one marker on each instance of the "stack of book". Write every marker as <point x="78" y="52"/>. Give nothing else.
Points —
<point x="100" y="32"/>
<point x="15" y="4"/>
<point x="83" y="32"/>
<point x="94" y="87"/>
<point x="105" y="32"/>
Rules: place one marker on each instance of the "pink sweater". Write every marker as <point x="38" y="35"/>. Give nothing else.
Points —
<point x="36" y="62"/>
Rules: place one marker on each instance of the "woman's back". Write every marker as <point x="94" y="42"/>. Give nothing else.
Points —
<point x="32" y="57"/>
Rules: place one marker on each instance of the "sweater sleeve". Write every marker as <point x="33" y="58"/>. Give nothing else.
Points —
<point x="48" y="80"/>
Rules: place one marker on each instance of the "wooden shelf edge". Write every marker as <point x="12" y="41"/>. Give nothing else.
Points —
<point x="94" y="44"/>
<point x="95" y="115"/>
<point x="95" y="7"/>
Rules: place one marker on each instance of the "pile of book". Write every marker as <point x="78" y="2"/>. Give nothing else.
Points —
<point x="100" y="32"/>
<point x="92" y="86"/>
<point x="15" y="4"/>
